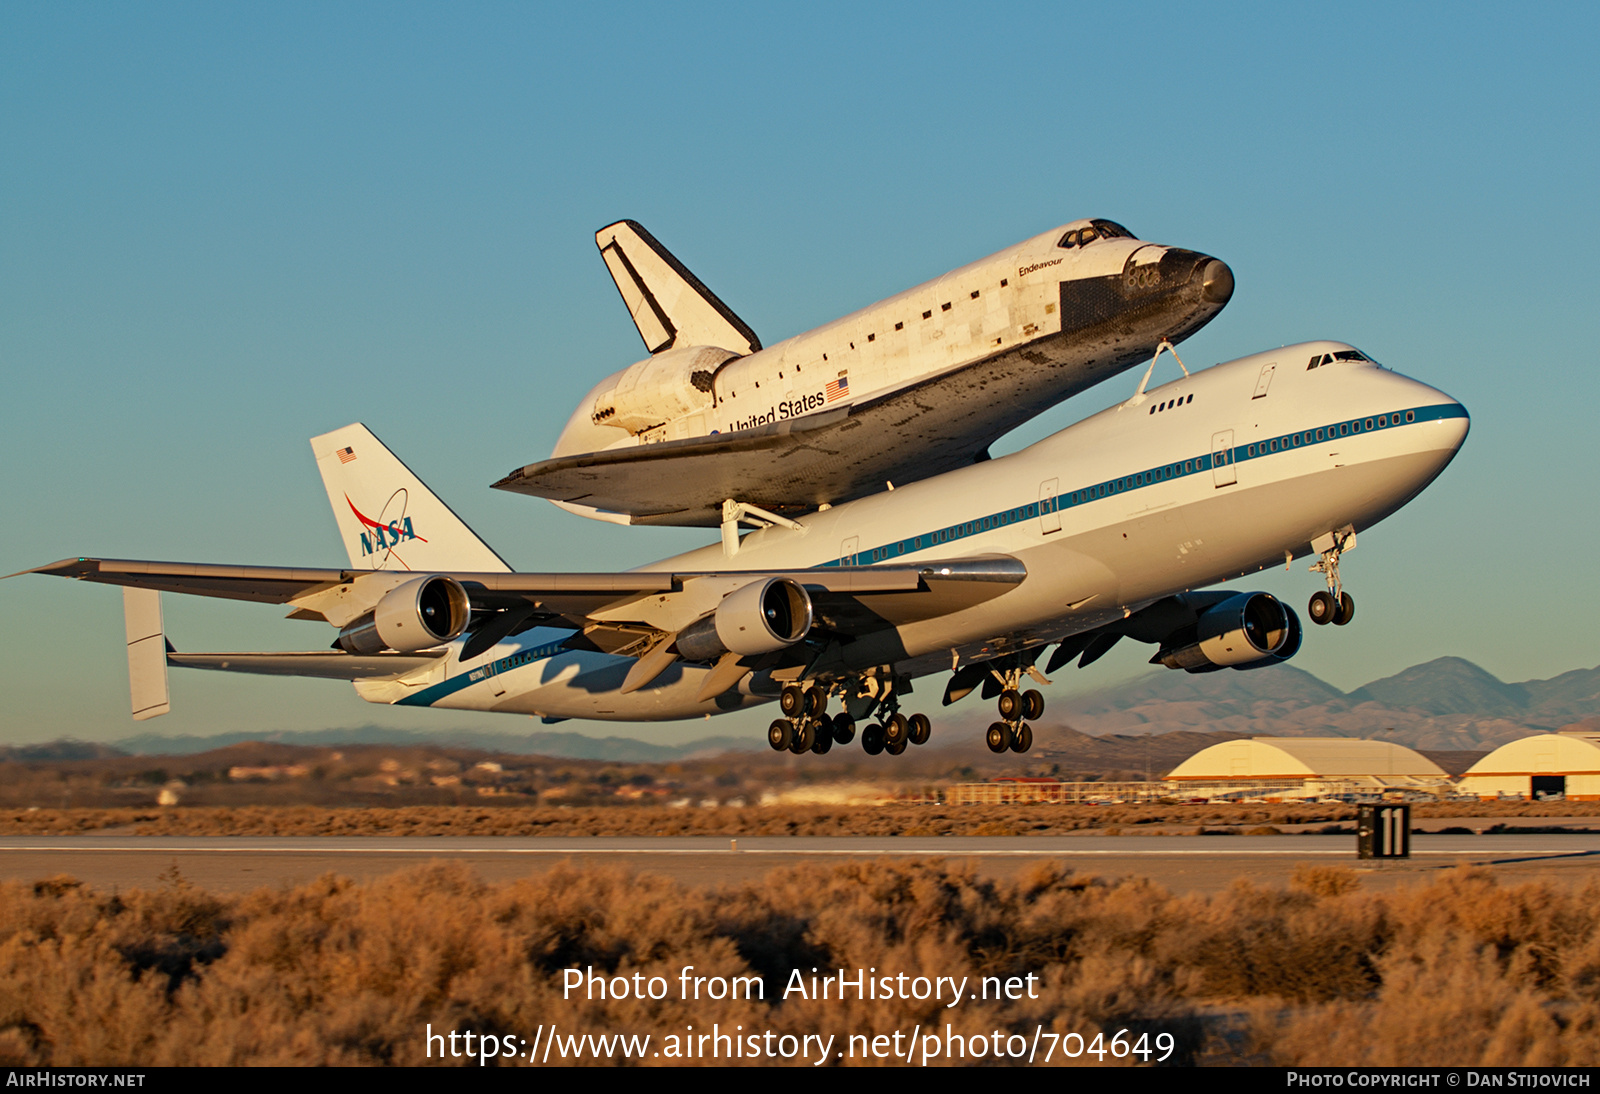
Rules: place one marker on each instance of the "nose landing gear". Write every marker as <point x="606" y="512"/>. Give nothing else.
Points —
<point x="1334" y="606"/>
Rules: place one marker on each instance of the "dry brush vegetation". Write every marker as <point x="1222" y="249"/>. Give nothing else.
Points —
<point x="892" y="819"/>
<point x="1461" y="971"/>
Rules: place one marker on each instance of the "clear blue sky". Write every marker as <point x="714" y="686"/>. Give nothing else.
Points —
<point x="226" y="228"/>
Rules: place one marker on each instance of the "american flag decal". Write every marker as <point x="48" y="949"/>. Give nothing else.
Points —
<point x="838" y="389"/>
<point x="346" y="455"/>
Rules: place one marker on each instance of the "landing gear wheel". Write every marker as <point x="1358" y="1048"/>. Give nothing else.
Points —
<point x="804" y="738"/>
<point x="1010" y="705"/>
<point x="921" y="729"/>
<point x="816" y="702"/>
<point x="824" y="727"/>
<point x="896" y="730"/>
<point x="1347" y="609"/>
<point x="998" y="738"/>
<point x="824" y="741"/>
<point x="792" y="701"/>
<point x="780" y="735"/>
<point x="1032" y="706"/>
<point x="1022" y="739"/>
<point x="1322" y="608"/>
<point x="872" y="739"/>
<point x="894" y="748"/>
<point x="844" y="729"/>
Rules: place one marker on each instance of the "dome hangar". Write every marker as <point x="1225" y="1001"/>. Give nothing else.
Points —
<point x="1305" y="768"/>
<point x="1545" y="766"/>
<point x="1542" y="767"/>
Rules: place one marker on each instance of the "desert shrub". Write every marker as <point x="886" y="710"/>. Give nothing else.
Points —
<point x="1461" y="970"/>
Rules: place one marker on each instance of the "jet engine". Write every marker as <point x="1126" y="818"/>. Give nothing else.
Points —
<point x="418" y="615"/>
<point x="761" y="617"/>
<point x="1244" y="631"/>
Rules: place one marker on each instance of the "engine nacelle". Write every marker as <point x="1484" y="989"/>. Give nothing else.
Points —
<point x="1240" y="632"/>
<point x="761" y="617"/>
<point x="1290" y="647"/>
<point x="663" y="388"/>
<point x="418" y="615"/>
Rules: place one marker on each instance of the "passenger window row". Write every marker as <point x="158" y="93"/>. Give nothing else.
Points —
<point x="1149" y="477"/>
<point x="1311" y="436"/>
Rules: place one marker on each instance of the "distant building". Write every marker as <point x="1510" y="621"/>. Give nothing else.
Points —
<point x="1548" y="765"/>
<point x="1305" y="767"/>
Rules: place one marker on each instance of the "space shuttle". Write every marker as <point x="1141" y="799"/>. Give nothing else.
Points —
<point x="713" y="428"/>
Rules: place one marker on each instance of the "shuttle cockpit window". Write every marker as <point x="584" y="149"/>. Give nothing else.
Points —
<point x="1098" y="229"/>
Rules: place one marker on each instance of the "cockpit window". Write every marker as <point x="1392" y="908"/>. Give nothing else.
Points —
<point x="1098" y="229"/>
<point x="1341" y="355"/>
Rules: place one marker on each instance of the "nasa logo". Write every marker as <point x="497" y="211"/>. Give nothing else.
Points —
<point x="383" y="536"/>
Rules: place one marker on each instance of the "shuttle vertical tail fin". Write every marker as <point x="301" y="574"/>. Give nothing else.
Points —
<point x="668" y="304"/>
<point x="387" y="517"/>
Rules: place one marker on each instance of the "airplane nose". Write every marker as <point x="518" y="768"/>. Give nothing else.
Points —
<point x="1216" y="282"/>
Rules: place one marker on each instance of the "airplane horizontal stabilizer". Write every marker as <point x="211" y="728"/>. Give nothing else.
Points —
<point x="319" y="664"/>
<point x="668" y="304"/>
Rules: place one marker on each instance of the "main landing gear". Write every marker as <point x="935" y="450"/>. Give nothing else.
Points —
<point x="1017" y="709"/>
<point x="808" y="727"/>
<point x="894" y="731"/>
<point x="1335" y="605"/>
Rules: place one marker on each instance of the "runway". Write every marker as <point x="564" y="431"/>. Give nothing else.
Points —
<point x="1179" y="863"/>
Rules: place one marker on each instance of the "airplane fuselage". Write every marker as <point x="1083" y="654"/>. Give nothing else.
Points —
<point x="1219" y="474"/>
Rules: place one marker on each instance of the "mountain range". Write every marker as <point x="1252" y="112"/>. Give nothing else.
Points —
<point x="1448" y="704"/>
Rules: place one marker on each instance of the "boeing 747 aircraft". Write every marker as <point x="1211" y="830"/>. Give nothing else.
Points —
<point x="912" y="386"/>
<point x="1103" y="531"/>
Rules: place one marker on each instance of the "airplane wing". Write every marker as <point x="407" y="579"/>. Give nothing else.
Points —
<point x="631" y="613"/>
<point x="668" y="304"/>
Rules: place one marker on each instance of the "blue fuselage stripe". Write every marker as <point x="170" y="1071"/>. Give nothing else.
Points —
<point x="1138" y="480"/>
<point x="1071" y="499"/>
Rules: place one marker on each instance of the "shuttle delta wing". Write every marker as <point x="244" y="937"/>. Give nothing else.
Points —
<point x="668" y="304"/>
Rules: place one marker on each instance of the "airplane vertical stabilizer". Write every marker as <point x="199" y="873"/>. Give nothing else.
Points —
<point x="387" y="517"/>
<point x="668" y="304"/>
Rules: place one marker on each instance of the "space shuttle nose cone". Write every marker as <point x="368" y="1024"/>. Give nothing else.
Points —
<point x="1216" y="282"/>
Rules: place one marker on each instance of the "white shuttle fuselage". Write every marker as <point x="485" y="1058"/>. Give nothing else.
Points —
<point x="910" y="387"/>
